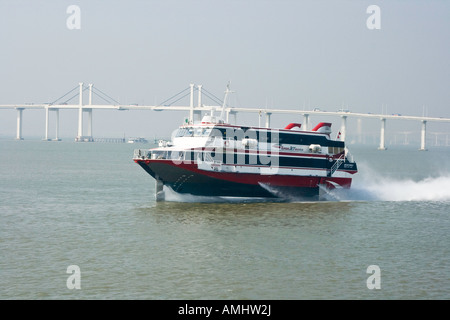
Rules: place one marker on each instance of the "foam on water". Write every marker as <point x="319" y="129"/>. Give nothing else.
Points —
<point x="370" y="186"/>
<point x="373" y="185"/>
<point x="428" y="189"/>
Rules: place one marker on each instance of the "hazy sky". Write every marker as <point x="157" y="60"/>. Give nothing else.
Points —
<point x="276" y="53"/>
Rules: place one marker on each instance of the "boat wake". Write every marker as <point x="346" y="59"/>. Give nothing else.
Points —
<point x="428" y="189"/>
<point x="371" y="186"/>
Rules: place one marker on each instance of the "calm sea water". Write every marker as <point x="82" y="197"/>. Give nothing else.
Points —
<point x="90" y="205"/>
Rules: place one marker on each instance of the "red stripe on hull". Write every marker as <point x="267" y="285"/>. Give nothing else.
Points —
<point x="254" y="178"/>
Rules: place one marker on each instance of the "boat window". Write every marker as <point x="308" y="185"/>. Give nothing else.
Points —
<point x="335" y="150"/>
<point x="201" y="132"/>
<point x="158" y="154"/>
<point x="206" y="132"/>
<point x="198" y="132"/>
<point x="180" y="132"/>
<point x="185" y="132"/>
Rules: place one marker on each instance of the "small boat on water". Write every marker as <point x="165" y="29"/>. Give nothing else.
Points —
<point x="137" y="140"/>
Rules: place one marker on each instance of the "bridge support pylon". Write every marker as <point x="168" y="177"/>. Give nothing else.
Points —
<point x="19" y="124"/>
<point x="423" y="135"/>
<point x="382" y="133"/>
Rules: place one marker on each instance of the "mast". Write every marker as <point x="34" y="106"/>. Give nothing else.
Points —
<point x="222" y="114"/>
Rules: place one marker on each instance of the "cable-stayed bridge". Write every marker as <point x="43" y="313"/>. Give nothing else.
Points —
<point x="195" y="112"/>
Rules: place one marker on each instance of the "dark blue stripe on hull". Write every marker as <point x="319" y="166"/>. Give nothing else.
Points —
<point x="277" y="136"/>
<point x="220" y="188"/>
<point x="188" y="182"/>
<point x="262" y="159"/>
